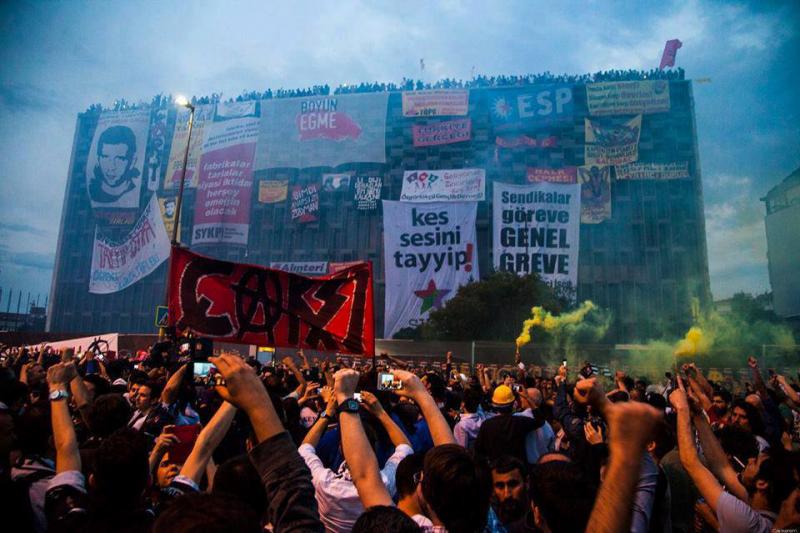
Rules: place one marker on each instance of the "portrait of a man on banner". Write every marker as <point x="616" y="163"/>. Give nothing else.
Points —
<point x="115" y="176"/>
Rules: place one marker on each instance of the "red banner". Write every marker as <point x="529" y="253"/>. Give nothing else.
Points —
<point x="249" y="304"/>
<point x="553" y="175"/>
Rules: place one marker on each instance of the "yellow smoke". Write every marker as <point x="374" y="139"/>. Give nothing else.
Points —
<point x="542" y="318"/>
<point x="694" y="343"/>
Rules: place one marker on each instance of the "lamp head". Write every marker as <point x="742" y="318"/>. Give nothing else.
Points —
<point x="183" y="102"/>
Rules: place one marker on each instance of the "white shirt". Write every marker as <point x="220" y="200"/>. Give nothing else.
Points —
<point x="337" y="497"/>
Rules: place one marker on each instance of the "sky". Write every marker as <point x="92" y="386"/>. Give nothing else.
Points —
<point x="58" y="58"/>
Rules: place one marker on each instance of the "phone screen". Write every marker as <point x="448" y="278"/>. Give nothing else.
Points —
<point x="201" y="368"/>
<point x="387" y="381"/>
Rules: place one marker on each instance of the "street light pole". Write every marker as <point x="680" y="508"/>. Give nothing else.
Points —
<point x="176" y="227"/>
<point x="184" y="102"/>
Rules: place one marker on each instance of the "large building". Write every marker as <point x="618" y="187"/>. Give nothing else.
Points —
<point x="645" y="263"/>
<point x="783" y="245"/>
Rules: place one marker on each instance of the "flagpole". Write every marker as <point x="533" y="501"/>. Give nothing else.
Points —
<point x="184" y="102"/>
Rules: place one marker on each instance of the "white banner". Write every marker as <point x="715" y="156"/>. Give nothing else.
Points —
<point x="653" y="171"/>
<point x="627" y="97"/>
<point x="322" y="131"/>
<point x="536" y="229"/>
<point x="116" y="266"/>
<point x="430" y="250"/>
<point x="462" y="185"/>
<point x="305" y="268"/>
<point x="435" y="102"/>
<point x="116" y="159"/>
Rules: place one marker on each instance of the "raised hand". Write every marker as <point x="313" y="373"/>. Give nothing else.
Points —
<point x="372" y="403"/>
<point x="593" y="436"/>
<point x="242" y="387"/>
<point x="345" y="382"/>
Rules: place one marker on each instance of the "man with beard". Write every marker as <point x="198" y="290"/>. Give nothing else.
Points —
<point x="509" y="492"/>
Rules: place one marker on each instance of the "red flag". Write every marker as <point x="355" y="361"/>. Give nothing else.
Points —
<point x="249" y="304"/>
<point x="670" y="50"/>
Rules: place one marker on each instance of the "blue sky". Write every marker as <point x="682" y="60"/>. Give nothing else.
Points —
<point x="56" y="59"/>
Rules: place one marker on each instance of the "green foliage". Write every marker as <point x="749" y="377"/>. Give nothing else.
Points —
<point x="490" y="309"/>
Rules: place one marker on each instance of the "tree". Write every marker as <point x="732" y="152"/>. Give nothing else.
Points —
<point x="491" y="309"/>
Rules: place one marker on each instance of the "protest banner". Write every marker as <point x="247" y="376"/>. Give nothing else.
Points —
<point x="117" y="265"/>
<point x="249" y="304"/>
<point x="461" y="185"/>
<point x="536" y="229"/>
<point x="653" y="171"/>
<point x="222" y="204"/>
<point x="595" y="194"/>
<point x="322" y="131"/>
<point x="532" y="107"/>
<point x="611" y="142"/>
<point x="336" y="182"/>
<point x="448" y="132"/>
<point x="115" y="163"/>
<point x="272" y="191"/>
<point x="515" y="141"/>
<point x="553" y="175"/>
<point x="304" y="268"/>
<point x="203" y="114"/>
<point x="628" y="97"/>
<point x="435" y="102"/>
<point x="430" y="250"/>
<point x="305" y="203"/>
<point x="156" y="145"/>
<point x="367" y="192"/>
<point x="167" y="207"/>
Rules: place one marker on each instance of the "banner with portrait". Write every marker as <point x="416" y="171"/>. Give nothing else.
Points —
<point x="267" y="307"/>
<point x="436" y="102"/>
<point x="458" y="185"/>
<point x="595" y="193"/>
<point x="653" y="171"/>
<point x="336" y="182"/>
<point x="203" y="114"/>
<point x="532" y="107"/>
<point x="167" y="206"/>
<point x="305" y="203"/>
<point x="612" y="142"/>
<point x="367" y="192"/>
<point x="114" y="169"/>
<point x="322" y="131"/>
<point x="117" y="265"/>
<point x="222" y="204"/>
<point x="628" y="97"/>
<point x="272" y="191"/>
<point x="430" y="250"/>
<point x="536" y="229"/>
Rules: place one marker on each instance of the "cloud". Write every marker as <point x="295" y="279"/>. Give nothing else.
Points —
<point x="21" y="97"/>
<point x="735" y="235"/>
<point x="35" y="260"/>
<point x="22" y="228"/>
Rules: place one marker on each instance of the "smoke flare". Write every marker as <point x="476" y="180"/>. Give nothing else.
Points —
<point x="694" y="343"/>
<point x="549" y="322"/>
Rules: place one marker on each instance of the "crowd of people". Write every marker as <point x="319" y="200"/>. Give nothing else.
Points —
<point x="92" y="442"/>
<point x="409" y="84"/>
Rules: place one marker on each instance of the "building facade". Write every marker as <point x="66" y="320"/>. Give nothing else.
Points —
<point x="645" y="263"/>
<point x="782" y="223"/>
